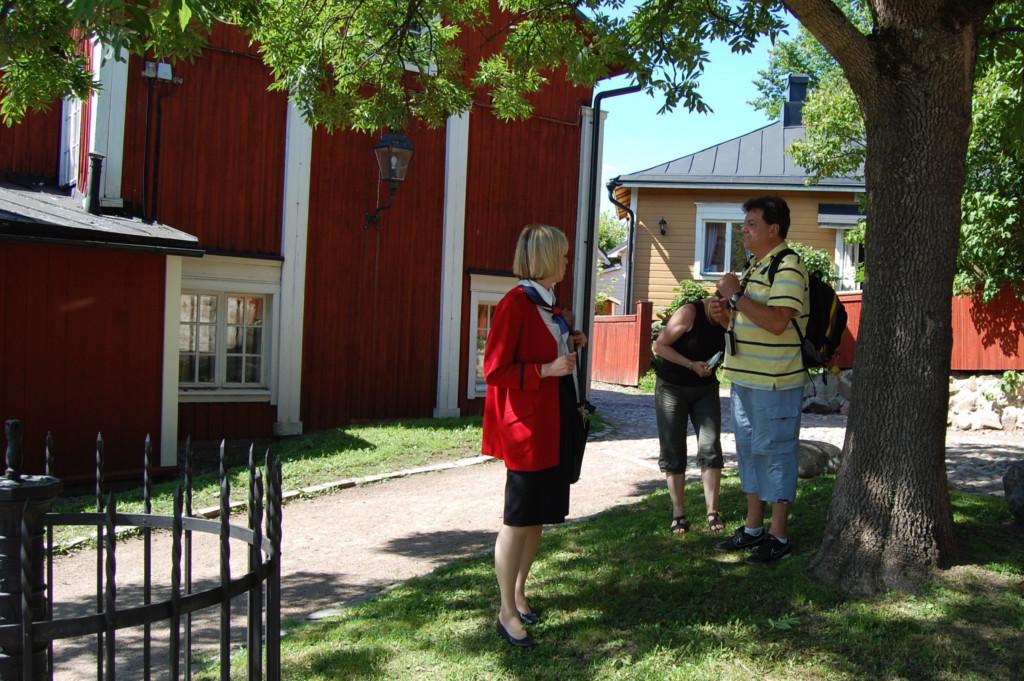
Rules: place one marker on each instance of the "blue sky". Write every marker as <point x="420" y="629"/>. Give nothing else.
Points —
<point x="636" y="137"/>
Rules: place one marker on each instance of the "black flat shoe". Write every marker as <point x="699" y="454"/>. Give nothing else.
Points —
<point x="526" y="642"/>
<point x="529" y="618"/>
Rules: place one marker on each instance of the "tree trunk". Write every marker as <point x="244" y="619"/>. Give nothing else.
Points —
<point x="890" y="522"/>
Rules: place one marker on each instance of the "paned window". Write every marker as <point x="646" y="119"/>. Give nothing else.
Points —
<point x="849" y="259"/>
<point x="719" y="243"/>
<point x="484" y="313"/>
<point x="723" y="247"/>
<point x="486" y="291"/>
<point x="221" y="340"/>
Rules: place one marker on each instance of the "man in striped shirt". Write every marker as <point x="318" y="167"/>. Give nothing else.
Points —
<point x="764" y="364"/>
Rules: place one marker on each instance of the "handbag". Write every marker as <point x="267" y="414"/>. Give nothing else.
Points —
<point x="584" y="409"/>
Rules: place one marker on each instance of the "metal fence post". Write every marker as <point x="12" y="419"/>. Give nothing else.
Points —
<point x="24" y="500"/>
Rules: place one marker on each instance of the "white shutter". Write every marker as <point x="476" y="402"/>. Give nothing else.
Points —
<point x="71" y="134"/>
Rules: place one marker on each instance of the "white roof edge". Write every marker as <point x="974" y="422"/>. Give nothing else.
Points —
<point x="857" y="189"/>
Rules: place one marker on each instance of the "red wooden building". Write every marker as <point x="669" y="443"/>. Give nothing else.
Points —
<point x="256" y="303"/>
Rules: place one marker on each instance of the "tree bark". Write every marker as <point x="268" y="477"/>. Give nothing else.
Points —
<point x="890" y="523"/>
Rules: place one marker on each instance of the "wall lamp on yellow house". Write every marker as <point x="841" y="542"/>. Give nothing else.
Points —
<point x="662" y="226"/>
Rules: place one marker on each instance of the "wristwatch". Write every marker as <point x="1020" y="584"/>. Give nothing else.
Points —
<point x="734" y="299"/>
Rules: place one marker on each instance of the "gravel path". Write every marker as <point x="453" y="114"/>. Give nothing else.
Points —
<point x="346" y="546"/>
<point x="975" y="460"/>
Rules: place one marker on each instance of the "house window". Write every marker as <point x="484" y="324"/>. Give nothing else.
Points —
<point x="221" y="340"/>
<point x="417" y="31"/>
<point x="849" y="257"/>
<point x="486" y="291"/>
<point x="719" y="240"/>
<point x="723" y="247"/>
<point x="484" y="314"/>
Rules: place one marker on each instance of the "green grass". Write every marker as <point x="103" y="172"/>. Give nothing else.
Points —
<point x="599" y="426"/>
<point x="321" y="457"/>
<point x="646" y="384"/>
<point x="622" y="599"/>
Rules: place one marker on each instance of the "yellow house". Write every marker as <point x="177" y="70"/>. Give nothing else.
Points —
<point x="688" y="211"/>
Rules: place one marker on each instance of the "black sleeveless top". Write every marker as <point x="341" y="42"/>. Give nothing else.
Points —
<point x="703" y="340"/>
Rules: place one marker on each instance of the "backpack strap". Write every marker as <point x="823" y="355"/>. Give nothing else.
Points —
<point x="773" y="266"/>
<point x="773" y="269"/>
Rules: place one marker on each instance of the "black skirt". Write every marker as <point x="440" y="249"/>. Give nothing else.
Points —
<point x="542" y="497"/>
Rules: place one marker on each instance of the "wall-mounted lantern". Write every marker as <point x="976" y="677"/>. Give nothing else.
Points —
<point x="662" y="226"/>
<point x="394" y="152"/>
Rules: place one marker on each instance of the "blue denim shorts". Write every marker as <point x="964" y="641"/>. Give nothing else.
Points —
<point x="767" y="425"/>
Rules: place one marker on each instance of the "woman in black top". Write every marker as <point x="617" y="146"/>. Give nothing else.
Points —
<point x="687" y="389"/>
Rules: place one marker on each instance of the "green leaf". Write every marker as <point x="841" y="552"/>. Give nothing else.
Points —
<point x="184" y="14"/>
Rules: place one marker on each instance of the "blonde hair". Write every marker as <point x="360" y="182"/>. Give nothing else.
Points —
<point x="539" y="252"/>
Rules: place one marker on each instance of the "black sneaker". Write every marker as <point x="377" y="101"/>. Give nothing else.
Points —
<point x="770" y="551"/>
<point x="740" y="540"/>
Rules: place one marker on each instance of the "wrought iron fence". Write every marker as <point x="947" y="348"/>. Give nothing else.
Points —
<point x="27" y="626"/>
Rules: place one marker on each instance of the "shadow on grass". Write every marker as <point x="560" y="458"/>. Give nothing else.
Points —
<point x="621" y="598"/>
<point x="645" y="487"/>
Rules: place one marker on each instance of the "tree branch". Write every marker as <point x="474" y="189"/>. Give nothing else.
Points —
<point x="843" y="40"/>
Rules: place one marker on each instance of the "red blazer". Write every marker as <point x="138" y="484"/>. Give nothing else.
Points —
<point x="521" y="418"/>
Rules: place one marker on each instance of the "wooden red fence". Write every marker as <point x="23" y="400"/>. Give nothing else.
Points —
<point x="621" y="346"/>
<point x="985" y="337"/>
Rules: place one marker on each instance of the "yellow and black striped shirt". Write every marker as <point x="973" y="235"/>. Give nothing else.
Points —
<point x="763" y="360"/>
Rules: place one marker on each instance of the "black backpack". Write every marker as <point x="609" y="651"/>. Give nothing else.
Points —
<point x="826" y="321"/>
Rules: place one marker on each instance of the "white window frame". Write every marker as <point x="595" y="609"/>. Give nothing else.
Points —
<point x="714" y="212"/>
<point x="225" y="276"/>
<point x="220" y="353"/>
<point x="845" y="258"/>
<point x="486" y="289"/>
<point x="70" y="141"/>
<point x="410" y="66"/>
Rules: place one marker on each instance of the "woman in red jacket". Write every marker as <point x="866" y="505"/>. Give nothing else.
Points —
<point x="529" y="364"/>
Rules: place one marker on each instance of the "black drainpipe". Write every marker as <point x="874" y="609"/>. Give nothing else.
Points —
<point x="155" y="194"/>
<point x="583" y="317"/>
<point x="92" y="201"/>
<point x="627" y="304"/>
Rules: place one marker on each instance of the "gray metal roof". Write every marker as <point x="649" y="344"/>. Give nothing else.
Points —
<point x="43" y="214"/>
<point x="756" y="159"/>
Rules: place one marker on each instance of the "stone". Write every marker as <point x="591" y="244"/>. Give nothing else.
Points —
<point x="817" y="405"/>
<point x="1009" y="419"/>
<point x="1017" y="413"/>
<point x="834" y="454"/>
<point x="972" y="383"/>
<point x="962" y="421"/>
<point x="986" y="419"/>
<point x="812" y="460"/>
<point x="845" y="385"/>
<point x="964" y="402"/>
<point x="1013" y="487"/>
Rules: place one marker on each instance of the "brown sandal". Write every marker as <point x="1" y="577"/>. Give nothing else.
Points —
<point x="680" y="525"/>
<point x="715" y="523"/>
